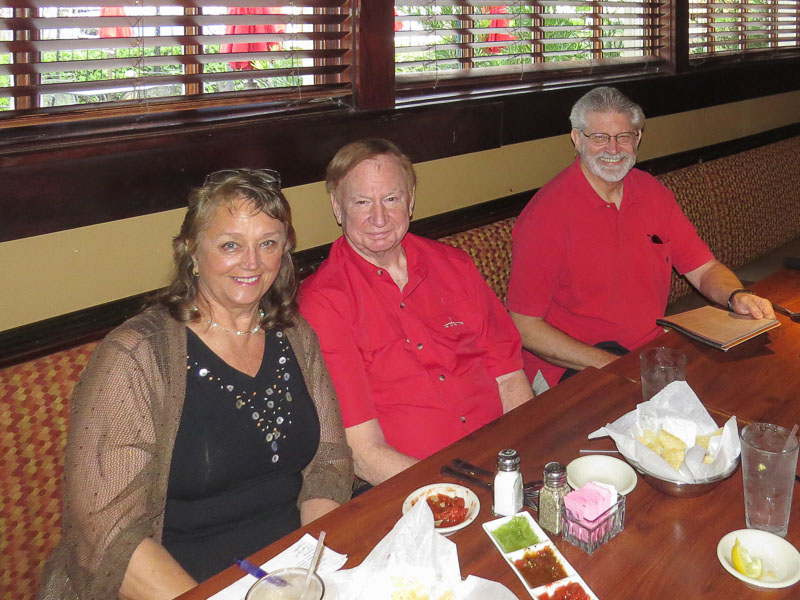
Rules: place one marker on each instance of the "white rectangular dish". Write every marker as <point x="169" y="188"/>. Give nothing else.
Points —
<point x="545" y="591"/>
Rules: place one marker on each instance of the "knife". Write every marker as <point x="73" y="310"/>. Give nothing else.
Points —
<point x="459" y="464"/>
<point x="530" y="492"/>
<point x="445" y="470"/>
<point x="462" y="467"/>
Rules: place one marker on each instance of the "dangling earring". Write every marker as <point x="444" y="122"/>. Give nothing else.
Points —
<point x="195" y="272"/>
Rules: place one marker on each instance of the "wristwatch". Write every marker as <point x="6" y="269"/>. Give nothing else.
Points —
<point x="733" y="295"/>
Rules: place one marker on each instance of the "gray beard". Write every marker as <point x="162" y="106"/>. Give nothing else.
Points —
<point x="608" y="173"/>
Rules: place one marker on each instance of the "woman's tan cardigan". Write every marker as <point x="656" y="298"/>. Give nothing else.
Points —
<point x="124" y="417"/>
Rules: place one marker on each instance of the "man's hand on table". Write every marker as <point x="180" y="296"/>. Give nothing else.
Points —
<point x="755" y="306"/>
<point x="719" y="284"/>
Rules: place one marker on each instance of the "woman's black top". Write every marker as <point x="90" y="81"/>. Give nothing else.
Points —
<point x="236" y="467"/>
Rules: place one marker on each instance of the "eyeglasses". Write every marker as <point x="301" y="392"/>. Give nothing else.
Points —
<point x="625" y="138"/>
<point x="268" y="175"/>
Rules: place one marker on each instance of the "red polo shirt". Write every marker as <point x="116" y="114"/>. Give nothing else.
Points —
<point x="423" y="361"/>
<point x="595" y="272"/>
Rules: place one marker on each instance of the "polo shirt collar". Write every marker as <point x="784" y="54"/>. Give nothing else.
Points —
<point x="592" y="198"/>
<point x="417" y="268"/>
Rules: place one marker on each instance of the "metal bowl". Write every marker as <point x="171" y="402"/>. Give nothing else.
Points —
<point x="681" y="489"/>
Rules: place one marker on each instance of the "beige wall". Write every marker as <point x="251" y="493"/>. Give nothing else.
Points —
<point x="50" y="275"/>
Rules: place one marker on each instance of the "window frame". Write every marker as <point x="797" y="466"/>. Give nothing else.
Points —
<point x="705" y="33"/>
<point x="374" y="84"/>
<point x="323" y="90"/>
<point x="541" y="69"/>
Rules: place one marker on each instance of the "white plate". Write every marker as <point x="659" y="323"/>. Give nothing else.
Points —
<point x="780" y="560"/>
<point x="451" y="489"/>
<point x="602" y="468"/>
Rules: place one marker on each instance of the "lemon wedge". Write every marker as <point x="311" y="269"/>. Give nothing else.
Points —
<point x="751" y="567"/>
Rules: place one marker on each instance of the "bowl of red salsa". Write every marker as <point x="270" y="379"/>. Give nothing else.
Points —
<point x="571" y="590"/>
<point x="453" y="506"/>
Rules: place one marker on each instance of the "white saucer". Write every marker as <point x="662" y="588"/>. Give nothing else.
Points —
<point x="471" y="502"/>
<point x="780" y="560"/>
<point x="602" y="468"/>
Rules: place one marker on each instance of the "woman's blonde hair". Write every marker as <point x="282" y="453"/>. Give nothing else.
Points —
<point x="227" y="188"/>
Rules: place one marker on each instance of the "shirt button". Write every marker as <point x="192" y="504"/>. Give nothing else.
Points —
<point x="463" y="419"/>
<point x="408" y="341"/>
<point x="380" y="271"/>
<point x="402" y="305"/>
<point x="441" y="377"/>
<point x="419" y="346"/>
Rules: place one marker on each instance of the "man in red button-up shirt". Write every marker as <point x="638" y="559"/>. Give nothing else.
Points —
<point x="420" y="350"/>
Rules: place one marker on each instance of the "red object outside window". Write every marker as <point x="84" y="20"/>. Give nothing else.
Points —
<point x="113" y="32"/>
<point x="498" y="37"/>
<point x="234" y="30"/>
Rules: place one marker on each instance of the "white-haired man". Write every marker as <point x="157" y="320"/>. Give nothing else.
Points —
<point x="595" y="247"/>
<point x="420" y="350"/>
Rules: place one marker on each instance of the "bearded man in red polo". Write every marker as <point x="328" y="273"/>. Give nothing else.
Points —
<point x="595" y="247"/>
<point x="420" y="350"/>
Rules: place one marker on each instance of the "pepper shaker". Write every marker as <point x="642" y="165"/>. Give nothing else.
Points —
<point x="551" y="496"/>
<point x="507" y="484"/>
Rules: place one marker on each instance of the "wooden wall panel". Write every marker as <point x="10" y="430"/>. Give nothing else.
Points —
<point x="49" y="188"/>
<point x="61" y="178"/>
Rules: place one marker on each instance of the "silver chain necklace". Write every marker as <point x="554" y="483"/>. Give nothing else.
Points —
<point x="213" y="324"/>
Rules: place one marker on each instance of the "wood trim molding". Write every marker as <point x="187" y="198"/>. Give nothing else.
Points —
<point x="374" y="54"/>
<point x="44" y="337"/>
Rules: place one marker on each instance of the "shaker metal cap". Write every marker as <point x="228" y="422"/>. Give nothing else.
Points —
<point x="555" y="474"/>
<point x="507" y="460"/>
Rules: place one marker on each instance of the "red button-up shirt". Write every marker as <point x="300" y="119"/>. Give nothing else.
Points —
<point x="424" y="360"/>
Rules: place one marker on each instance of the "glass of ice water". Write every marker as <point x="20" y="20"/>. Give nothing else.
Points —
<point x="659" y="367"/>
<point x="768" y="470"/>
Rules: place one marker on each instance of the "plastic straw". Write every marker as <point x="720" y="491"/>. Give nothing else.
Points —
<point x="313" y="566"/>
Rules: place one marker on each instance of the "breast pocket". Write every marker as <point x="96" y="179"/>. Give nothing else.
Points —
<point x="457" y="321"/>
<point x="658" y="267"/>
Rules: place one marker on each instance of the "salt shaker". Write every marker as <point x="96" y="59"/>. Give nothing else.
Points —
<point x="551" y="496"/>
<point x="507" y="484"/>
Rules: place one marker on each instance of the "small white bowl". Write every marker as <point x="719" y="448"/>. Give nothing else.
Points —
<point x="471" y="502"/>
<point x="602" y="468"/>
<point x="780" y="560"/>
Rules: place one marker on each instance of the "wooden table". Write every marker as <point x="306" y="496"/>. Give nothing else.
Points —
<point x="759" y="380"/>
<point x="666" y="551"/>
